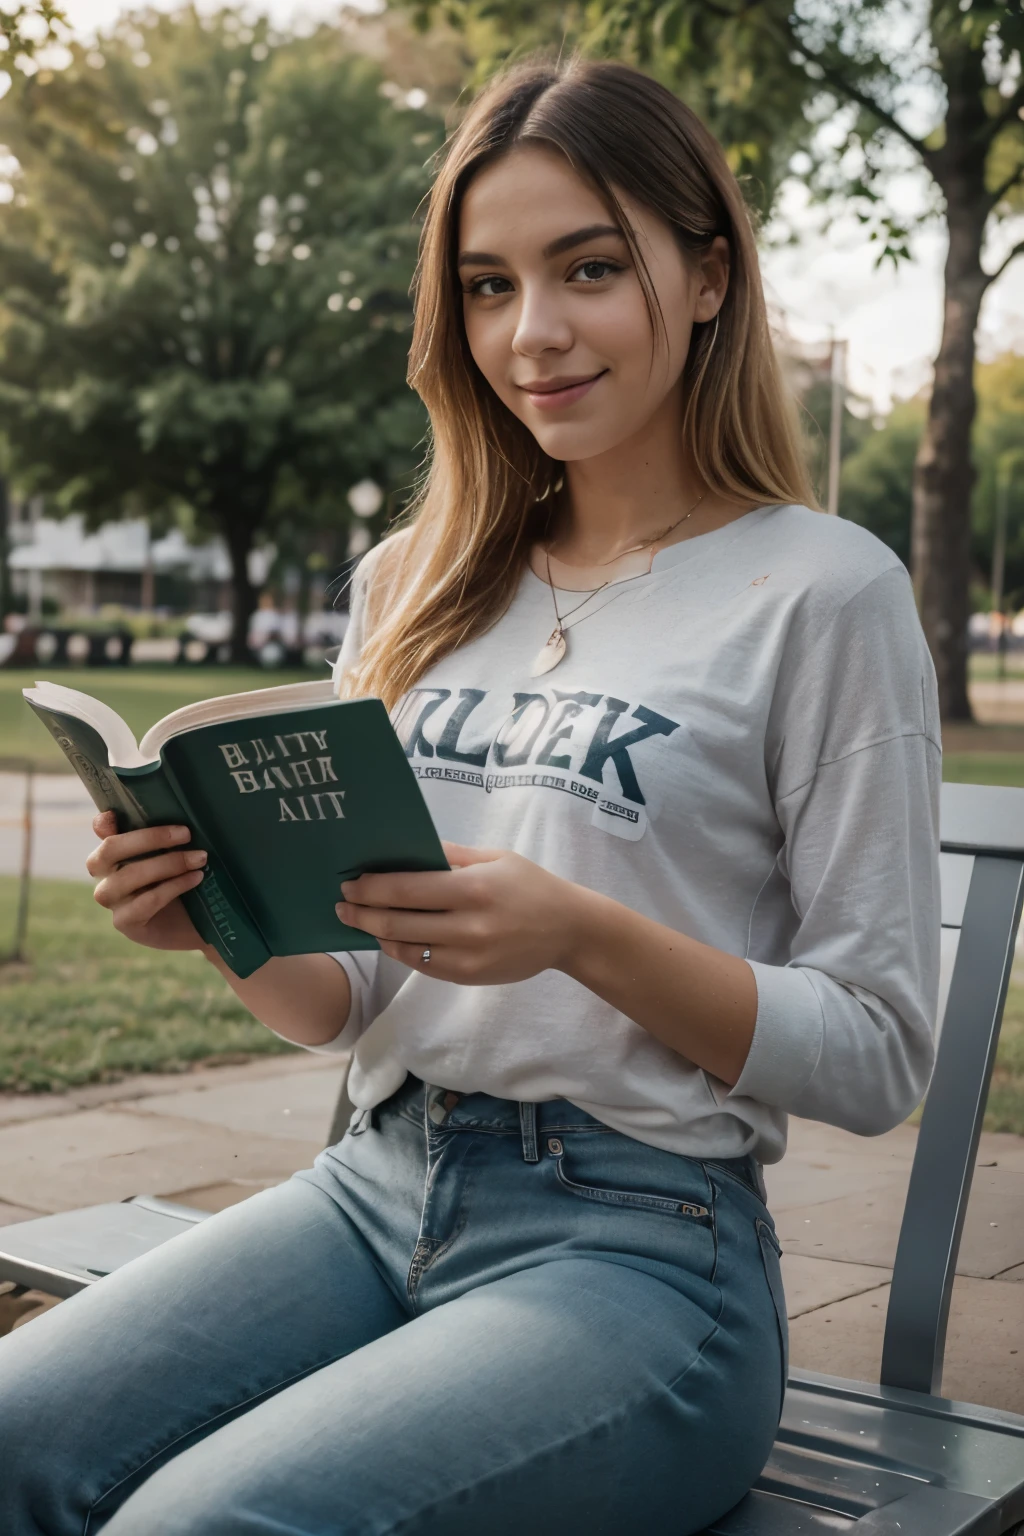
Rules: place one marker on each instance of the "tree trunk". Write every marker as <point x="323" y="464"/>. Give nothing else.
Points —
<point x="944" y="472"/>
<point x="238" y="533"/>
<point x="944" y="476"/>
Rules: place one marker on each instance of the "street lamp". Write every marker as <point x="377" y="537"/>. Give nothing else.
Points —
<point x="366" y="498"/>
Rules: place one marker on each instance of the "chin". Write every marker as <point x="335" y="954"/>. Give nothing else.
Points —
<point x="569" y="443"/>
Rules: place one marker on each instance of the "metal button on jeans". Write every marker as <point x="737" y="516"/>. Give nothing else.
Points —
<point x="555" y="1146"/>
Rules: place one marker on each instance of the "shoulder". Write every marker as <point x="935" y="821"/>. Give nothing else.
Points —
<point x="381" y="562"/>
<point x="829" y="572"/>
<point x="829" y="557"/>
<point x="375" y="576"/>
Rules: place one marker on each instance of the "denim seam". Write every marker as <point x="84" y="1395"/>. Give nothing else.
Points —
<point x="624" y="1199"/>
<point x="235" y="1409"/>
<point x="619" y="1411"/>
<point x="468" y="1128"/>
<point x="720" y="1168"/>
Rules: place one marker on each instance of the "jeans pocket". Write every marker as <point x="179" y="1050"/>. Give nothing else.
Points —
<point x="612" y="1173"/>
<point x="771" y="1253"/>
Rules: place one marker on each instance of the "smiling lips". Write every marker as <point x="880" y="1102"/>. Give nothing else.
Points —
<point x="553" y="394"/>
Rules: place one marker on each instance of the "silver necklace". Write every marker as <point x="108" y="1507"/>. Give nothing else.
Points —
<point x="554" y="648"/>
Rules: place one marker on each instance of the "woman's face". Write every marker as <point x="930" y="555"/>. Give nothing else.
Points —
<point x="554" y="311"/>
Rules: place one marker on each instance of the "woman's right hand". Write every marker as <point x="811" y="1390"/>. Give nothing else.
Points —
<point x="143" y="895"/>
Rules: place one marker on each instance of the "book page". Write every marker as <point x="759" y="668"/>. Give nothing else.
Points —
<point x="231" y="706"/>
<point x="122" y="750"/>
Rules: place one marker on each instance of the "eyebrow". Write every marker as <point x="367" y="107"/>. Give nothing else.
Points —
<point x="555" y="248"/>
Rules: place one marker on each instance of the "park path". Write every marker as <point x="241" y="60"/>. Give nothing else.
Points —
<point x="213" y="1136"/>
<point x="62" y="833"/>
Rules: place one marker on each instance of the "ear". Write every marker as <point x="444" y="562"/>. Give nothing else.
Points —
<point x="714" y="264"/>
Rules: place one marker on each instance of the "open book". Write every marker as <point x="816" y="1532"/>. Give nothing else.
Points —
<point x="289" y="790"/>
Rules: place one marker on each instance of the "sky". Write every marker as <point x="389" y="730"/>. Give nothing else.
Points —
<point x="825" y="285"/>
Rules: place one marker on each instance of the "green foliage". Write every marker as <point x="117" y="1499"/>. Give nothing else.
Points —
<point x="91" y="1007"/>
<point x="999" y="453"/>
<point x="205" y="273"/>
<point x="25" y="30"/>
<point x="816" y="422"/>
<point x="877" y="475"/>
<point x="877" y="478"/>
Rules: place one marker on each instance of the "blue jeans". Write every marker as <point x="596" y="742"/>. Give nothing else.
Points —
<point x="470" y="1317"/>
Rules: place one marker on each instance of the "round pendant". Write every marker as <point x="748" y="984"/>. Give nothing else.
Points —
<point x="550" y="654"/>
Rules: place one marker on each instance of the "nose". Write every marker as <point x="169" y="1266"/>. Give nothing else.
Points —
<point x="541" y="326"/>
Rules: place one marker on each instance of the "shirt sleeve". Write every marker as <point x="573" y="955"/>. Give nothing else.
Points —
<point x="372" y="984"/>
<point x="844" y="1030"/>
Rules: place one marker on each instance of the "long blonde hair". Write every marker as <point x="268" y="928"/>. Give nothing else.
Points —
<point x="452" y="571"/>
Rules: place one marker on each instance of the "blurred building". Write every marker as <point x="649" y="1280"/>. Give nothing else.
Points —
<point x="61" y="565"/>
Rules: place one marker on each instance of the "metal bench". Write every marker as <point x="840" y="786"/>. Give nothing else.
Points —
<point x="894" y="1459"/>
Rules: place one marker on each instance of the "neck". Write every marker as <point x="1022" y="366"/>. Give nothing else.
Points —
<point x="633" y="492"/>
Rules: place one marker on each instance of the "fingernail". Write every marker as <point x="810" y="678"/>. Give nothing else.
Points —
<point x="179" y="834"/>
<point x="346" y="886"/>
<point x="194" y="860"/>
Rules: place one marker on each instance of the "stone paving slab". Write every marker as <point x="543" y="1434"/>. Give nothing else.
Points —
<point x="865" y="1228"/>
<point x="198" y="1078"/>
<point x="984" y="1344"/>
<point x="823" y="1162"/>
<point x="111" y="1154"/>
<point x="813" y="1283"/>
<point x="299" y="1106"/>
<point x="217" y="1197"/>
<point x="9" y="1214"/>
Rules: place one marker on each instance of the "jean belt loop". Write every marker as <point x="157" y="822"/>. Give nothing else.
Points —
<point x="528" y="1127"/>
<point x="758" y="1173"/>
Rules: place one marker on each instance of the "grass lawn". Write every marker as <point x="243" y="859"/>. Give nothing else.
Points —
<point x="141" y="696"/>
<point x="91" y="1007"/>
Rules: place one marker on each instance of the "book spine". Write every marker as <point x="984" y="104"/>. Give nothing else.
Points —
<point x="216" y="906"/>
<point x="147" y="797"/>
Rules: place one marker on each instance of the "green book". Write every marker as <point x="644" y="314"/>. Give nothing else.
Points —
<point x="290" y="790"/>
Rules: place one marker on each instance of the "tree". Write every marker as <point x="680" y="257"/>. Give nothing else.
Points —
<point x="870" y="89"/>
<point x="877" y="481"/>
<point x="878" y="476"/>
<point x="998" y="445"/>
<point x="204" y="274"/>
<point x="25" y="31"/>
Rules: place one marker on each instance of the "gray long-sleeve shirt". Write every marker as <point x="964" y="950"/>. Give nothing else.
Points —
<point x="743" y="745"/>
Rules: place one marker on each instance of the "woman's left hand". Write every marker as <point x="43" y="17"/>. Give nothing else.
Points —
<point x="494" y="917"/>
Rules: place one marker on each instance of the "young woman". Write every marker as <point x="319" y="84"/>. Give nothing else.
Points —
<point x="682" y="733"/>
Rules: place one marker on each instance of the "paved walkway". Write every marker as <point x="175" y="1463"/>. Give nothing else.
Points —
<point x="213" y="1136"/>
<point x="62" y="836"/>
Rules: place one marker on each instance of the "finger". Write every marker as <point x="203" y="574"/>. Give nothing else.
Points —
<point x="406" y="927"/>
<point x="439" y="966"/>
<point x="104" y="823"/>
<point x="140" y="873"/>
<point x="141" y="909"/>
<point x="458" y="855"/>
<point x="129" y="845"/>
<point x="428" y="892"/>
